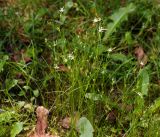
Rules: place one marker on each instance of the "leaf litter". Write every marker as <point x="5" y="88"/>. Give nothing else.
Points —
<point x="42" y="124"/>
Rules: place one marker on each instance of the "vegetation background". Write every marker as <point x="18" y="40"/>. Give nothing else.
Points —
<point x="95" y="61"/>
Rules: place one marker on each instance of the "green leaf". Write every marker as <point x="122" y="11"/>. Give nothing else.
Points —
<point x="5" y="117"/>
<point x="3" y="62"/>
<point x="68" y="6"/>
<point x="84" y="127"/>
<point x="119" y="57"/>
<point x="41" y="13"/>
<point x="128" y="38"/>
<point x="155" y="107"/>
<point x="11" y="83"/>
<point x="16" y="129"/>
<point x="117" y="18"/>
<point x="144" y="78"/>
<point x="94" y="96"/>
<point x="36" y="92"/>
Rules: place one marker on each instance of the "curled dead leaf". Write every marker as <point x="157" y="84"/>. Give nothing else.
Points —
<point x="41" y="126"/>
<point x="139" y="52"/>
<point x="17" y="56"/>
<point x="112" y="116"/>
<point x="142" y="58"/>
<point x="66" y="122"/>
<point x="27" y="59"/>
<point x="79" y="31"/>
<point x="62" y="68"/>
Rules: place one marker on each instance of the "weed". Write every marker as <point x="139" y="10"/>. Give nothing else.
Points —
<point x="82" y="61"/>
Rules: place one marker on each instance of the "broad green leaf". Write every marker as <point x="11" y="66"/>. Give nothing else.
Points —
<point x="119" y="57"/>
<point x="128" y="38"/>
<point x="144" y="78"/>
<point x="11" y="83"/>
<point x="36" y="92"/>
<point x="3" y="62"/>
<point x="41" y="13"/>
<point x="16" y="129"/>
<point x="84" y="127"/>
<point x="117" y="18"/>
<point x="20" y="104"/>
<point x="100" y="97"/>
<point x="156" y="106"/>
<point x="69" y="4"/>
<point x="94" y="96"/>
<point x="27" y="88"/>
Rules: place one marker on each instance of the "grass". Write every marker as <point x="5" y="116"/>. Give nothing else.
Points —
<point x="57" y="55"/>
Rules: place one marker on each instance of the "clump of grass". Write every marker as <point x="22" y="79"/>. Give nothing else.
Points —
<point x="78" y="58"/>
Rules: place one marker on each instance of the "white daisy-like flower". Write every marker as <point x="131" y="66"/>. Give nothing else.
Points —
<point x="101" y="29"/>
<point x="71" y="56"/>
<point x="61" y="10"/>
<point x="46" y="40"/>
<point x="142" y="63"/>
<point x="110" y="50"/>
<point x="56" y="66"/>
<point x="95" y="20"/>
<point x="140" y="94"/>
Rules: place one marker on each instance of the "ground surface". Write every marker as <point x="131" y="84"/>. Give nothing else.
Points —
<point x="94" y="62"/>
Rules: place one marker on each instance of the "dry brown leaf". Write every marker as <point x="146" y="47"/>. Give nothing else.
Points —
<point x="139" y="52"/>
<point x="41" y="126"/>
<point x="66" y="122"/>
<point x="27" y="59"/>
<point x="112" y="116"/>
<point x="17" y="56"/>
<point x="123" y="2"/>
<point x="79" y="31"/>
<point x="62" y="68"/>
<point x="141" y="56"/>
<point x="21" y="34"/>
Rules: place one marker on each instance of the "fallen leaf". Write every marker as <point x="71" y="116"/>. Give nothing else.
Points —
<point x="139" y="52"/>
<point x="27" y="59"/>
<point x="141" y="56"/>
<point x="17" y="56"/>
<point x="41" y="126"/>
<point x="79" y="31"/>
<point x="123" y="2"/>
<point x="66" y="122"/>
<point x="22" y="36"/>
<point x="62" y="68"/>
<point x="112" y="116"/>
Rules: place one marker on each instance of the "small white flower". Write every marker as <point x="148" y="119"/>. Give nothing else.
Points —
<point x="46" y="40"/>
<point x="56" y="66"/>
<point x="71" y="56"/>
<point x="101" y="29"/>
<point x="142" y="63"/>
<point x="140" y="94"/>
<point x="17" y="13"/>
<point x="95" y="20"/>
<point x="110" y="50"/>
<point x="61" y="10"/>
